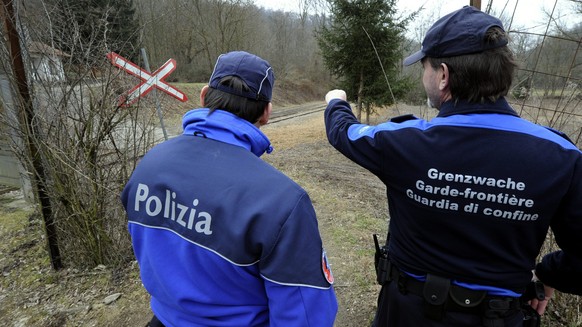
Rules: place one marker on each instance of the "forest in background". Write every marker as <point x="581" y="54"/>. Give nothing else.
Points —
<point x="195" y="32"/>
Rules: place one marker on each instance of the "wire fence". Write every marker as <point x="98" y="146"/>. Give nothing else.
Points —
<point x="548" y="87"/>
<point x="548" y="91"/>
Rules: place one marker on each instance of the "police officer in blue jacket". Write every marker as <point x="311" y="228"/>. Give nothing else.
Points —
<point x="471" y="193"/>
<point x="221" y="237"/>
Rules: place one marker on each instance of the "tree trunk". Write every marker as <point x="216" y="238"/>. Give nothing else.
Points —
<point x="360" y="96"/>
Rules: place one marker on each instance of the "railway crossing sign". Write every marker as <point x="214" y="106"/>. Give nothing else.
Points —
<point x="149" y="81"/>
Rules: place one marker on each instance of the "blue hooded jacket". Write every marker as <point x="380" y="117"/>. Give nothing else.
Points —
<point x="223" y="238"/>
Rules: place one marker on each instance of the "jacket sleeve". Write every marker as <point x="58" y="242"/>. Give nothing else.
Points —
<point x="363" y="144"/>
<point x="298" y="278"/>
<point x="297" y="306"/>
<point x="339" y="119"/>
<point x="562" y="269"/>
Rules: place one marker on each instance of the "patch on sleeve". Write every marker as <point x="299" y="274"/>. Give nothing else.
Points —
<point x="403" y="118"/>
<point x="326" y="269"/>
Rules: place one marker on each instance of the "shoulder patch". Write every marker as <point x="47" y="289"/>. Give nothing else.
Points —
<point x="326" y="269"/>
<point x="403" y="118"/>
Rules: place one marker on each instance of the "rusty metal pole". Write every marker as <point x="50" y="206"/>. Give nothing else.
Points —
<point x="475" y="3"/>
<point x="30" y="129"/>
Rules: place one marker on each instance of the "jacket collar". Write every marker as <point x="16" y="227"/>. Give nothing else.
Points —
<point x="462" y="107"/>
<point x="226" y="127"/>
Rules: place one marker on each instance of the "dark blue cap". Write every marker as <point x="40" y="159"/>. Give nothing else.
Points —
<point x="254" y="71"/>
<point x="458" y="33"/>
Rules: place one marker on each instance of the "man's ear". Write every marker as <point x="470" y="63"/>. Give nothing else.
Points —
<point x="444" y="77"/>
<point x="203" y="94"/>
<point x="264" y="119"/>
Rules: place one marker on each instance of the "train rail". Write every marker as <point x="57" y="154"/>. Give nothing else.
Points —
<point x="290" y="112"/>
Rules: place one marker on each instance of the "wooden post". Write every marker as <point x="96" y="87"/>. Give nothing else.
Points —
<point x="30" y="129"/>
<point x="475" y="3"/>
<point x="146" y="64"/>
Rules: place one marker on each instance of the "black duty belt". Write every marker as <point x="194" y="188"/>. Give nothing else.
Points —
<point x="440" y="295"/>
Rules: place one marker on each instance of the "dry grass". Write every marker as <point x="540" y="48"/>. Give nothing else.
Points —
<point x="290" y="133"/>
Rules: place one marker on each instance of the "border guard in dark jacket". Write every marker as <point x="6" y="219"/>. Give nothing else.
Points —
<point x="472" y="193"/>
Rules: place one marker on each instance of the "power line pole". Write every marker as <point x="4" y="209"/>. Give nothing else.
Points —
<point x="30" y="129"/>
<point x="475" y="3"/>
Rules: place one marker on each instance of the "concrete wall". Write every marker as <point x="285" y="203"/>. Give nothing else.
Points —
<point x="12" y="173"/>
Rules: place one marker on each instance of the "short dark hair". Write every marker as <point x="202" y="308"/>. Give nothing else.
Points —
<point x="482" y="76"/>
<point x="245" y="108"/>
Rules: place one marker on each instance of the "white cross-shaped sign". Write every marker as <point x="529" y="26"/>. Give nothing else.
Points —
<point x="149" y="81"/>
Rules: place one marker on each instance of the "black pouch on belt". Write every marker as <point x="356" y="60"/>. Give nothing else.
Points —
<point x="466" y="300"/>
<point x="435" y="293"/>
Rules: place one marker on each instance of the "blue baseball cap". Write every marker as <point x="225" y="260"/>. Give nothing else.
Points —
<point x="256" y="72"/>
<point x="458" y="33"/>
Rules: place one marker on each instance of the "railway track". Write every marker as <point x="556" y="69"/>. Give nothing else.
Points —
<point x="290" y="112"/>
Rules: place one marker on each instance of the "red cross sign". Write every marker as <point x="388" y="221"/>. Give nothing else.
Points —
<point x="149" y="81"/>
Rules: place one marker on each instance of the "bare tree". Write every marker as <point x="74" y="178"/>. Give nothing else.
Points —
<point x="87" y="144"/>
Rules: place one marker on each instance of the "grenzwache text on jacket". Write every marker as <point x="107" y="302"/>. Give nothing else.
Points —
<point x="468" y="193"/>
